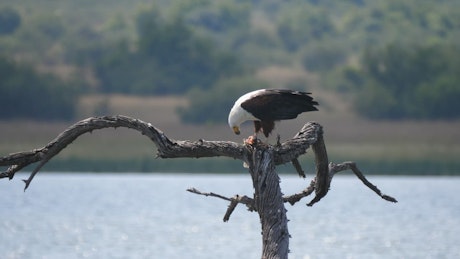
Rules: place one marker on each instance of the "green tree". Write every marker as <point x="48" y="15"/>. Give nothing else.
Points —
<point x="323" y="57"/>
<point x="222" y="16"/>
<point x="10" y="20"/>
<point x="439" y="99"/>
<point x="212" y="106"/>
<point x="303" y="25"/>
<point x="417" y="82"/>
<point x="26" y="94"/>
<point x="169" y="59"/>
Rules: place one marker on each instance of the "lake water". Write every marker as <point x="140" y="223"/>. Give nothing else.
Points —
<point x="152" y="216"/>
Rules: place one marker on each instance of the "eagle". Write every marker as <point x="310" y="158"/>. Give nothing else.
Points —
<point x="265" y="106"/>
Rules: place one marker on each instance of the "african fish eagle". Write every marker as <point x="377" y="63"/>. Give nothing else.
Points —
<point x="265" y="106"/>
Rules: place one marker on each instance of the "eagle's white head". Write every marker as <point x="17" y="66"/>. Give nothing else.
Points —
<point x="238" y="115"/>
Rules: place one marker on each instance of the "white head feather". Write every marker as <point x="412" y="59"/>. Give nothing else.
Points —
<point x="238" y="115"/>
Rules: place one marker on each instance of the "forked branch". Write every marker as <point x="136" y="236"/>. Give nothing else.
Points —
<point x="294" y="198"/>
<point x="235" y="200"/>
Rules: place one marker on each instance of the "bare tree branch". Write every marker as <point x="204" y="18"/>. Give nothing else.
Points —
<point x="295" y="162"/>
<point x="294" y="198"/>
<point x="335" y="168"/>
<point x="299" y="144"/>
<point x="167" y="148"/>
<point x="234" y="201"/>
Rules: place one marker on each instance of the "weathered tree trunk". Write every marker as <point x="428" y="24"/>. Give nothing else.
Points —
<point x="269" y="203"/>
<point x="261" y="158"/>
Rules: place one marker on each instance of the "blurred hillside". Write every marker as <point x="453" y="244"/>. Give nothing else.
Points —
<point x="404" y="57"/>
<point x="385" y="73"/>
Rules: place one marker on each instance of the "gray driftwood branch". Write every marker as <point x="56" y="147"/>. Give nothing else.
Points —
<point x="260" y="158"/>
<point x="167" y="148"/>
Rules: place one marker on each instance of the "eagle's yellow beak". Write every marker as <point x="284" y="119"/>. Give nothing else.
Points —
<point x="236" y="129"/>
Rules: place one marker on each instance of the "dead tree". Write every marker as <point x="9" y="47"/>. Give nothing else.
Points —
<point x="260" y="158"/>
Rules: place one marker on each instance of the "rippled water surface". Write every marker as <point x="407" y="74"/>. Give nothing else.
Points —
<point x="152" y="216"/>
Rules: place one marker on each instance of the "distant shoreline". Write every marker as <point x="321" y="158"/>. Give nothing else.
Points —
<point x="383" y="147"/>
<point x="230" y="166"/>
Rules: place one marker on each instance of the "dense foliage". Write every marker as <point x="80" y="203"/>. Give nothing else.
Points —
<point x="169" y="59"/>
<point x="9" y="20"/>
<point x="26" y="94"/>
<point x="212" y="106"/>
<point x="399" y="82"/>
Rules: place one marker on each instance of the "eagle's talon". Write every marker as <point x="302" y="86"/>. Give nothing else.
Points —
<point x="251" y="140"/>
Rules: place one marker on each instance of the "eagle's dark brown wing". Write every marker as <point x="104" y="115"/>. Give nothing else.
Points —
<point x="279" y="104"/>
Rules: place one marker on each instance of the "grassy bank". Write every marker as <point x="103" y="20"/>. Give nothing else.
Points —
<point x="226" y="165"/>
